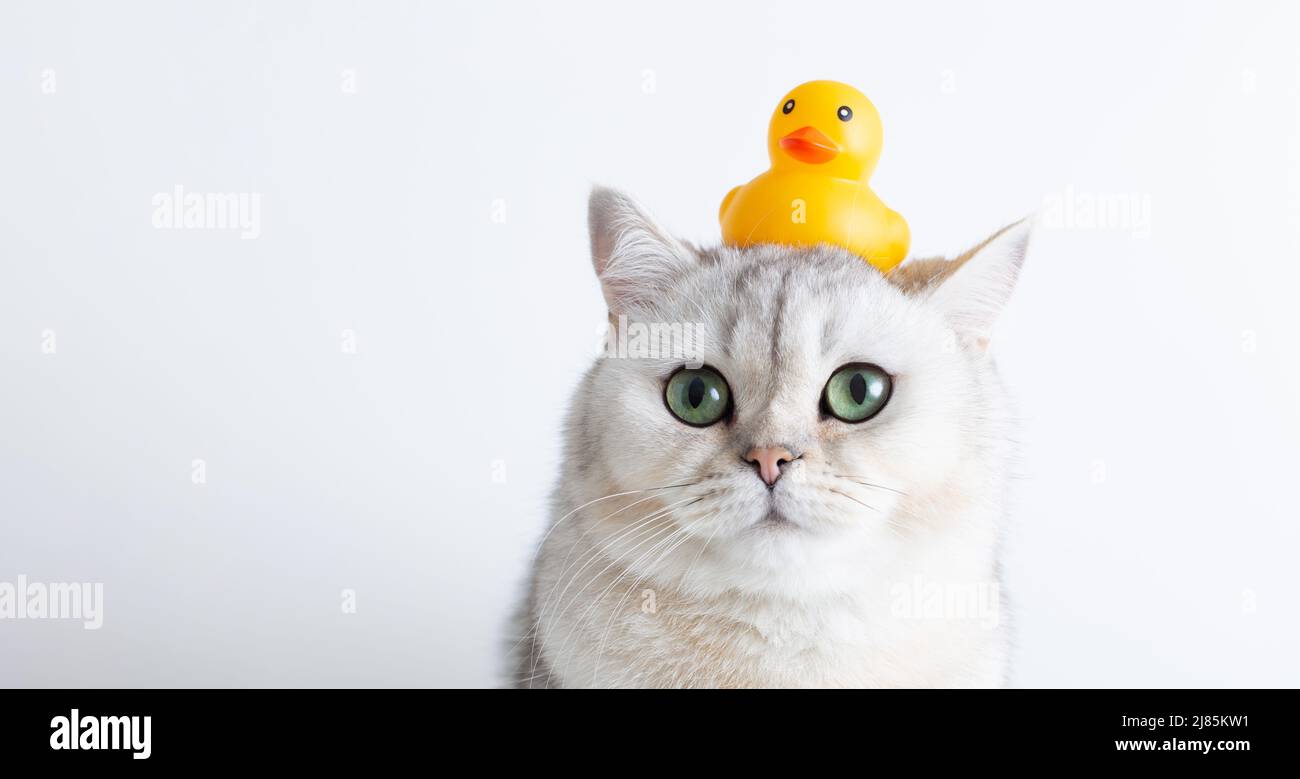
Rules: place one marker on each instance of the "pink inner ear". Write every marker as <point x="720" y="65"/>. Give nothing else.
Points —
<point x="602" y="246"/>
<point x="978" y="283"/>
<point x="633" y="258"/>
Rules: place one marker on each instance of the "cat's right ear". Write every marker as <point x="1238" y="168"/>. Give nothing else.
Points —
<point x="634" y="258"/>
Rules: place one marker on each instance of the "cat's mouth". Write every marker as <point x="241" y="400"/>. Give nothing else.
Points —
<point x="775" y="520"/>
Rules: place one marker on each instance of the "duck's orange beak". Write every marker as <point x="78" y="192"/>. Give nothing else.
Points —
<point x="808" y="144"/>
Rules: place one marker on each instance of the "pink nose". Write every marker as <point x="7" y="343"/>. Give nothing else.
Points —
<point x="769" y="460"/>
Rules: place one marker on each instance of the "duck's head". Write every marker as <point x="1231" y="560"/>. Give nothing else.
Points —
<point x="827" y="127"/>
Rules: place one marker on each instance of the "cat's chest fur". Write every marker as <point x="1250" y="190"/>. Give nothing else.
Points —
<point x="770" y="645"/>
<point x="652" y="636"/>
<point x="840" y="647"/>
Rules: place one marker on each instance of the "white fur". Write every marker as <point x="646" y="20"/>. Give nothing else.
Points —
<point x="662" y="566"/>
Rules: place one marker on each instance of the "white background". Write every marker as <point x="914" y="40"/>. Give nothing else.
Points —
<point x="1155" y="530"/>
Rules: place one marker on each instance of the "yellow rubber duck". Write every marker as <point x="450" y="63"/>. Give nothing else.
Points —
<point x="824" y="140"/>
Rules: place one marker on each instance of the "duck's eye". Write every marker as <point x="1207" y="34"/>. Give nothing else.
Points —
<point x="698" y="396"/>
<point x="845" y="113"/>
<point x="788" y="107"/>
<point x="857" y="392"/>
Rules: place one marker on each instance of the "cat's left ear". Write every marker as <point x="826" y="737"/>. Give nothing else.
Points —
<point x="977" y="285"/>
<point x="634" y="258"/>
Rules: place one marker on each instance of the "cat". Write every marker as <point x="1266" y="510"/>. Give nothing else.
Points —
<point x="813" y="497"/>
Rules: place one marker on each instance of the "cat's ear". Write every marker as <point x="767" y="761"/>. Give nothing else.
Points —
<point x="634" y="258"/>
<point x="975" y="286"/>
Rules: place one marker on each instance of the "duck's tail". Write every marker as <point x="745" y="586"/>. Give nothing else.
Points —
<point x="900" y="235"/>
<point x="726" y="201"/>
<point x="898" y="241"/>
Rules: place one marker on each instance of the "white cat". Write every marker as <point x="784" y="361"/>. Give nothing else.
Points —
<point x="811" y="498"/>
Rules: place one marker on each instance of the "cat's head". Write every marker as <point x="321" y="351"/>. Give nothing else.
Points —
<point x="809" y="406"/>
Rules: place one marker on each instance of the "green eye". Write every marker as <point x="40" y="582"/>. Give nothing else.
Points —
<point x="857" y="392"/>
<point x="698" y="396"/>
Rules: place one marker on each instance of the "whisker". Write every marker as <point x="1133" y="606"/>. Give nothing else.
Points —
<point x="648" y="531"/>
<point x="700" y="554"/>
<point x="660" y="542"/>
<point x="635" y="530"/>
<point x="600" y="650"/>
<point x="596" y="550"/>
<point x="613" y="562"/>
<point x="859" y="480"/>
<point x="607" y="497"/>
<point x="855" y="500"/>
<point x="656" y="540"/>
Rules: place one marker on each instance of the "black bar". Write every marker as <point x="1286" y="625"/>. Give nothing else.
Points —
<point x="331" y="727"/>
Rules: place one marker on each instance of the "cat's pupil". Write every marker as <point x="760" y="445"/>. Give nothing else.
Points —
<point x="695" y="392"/>
<point x="858" y="388"/>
